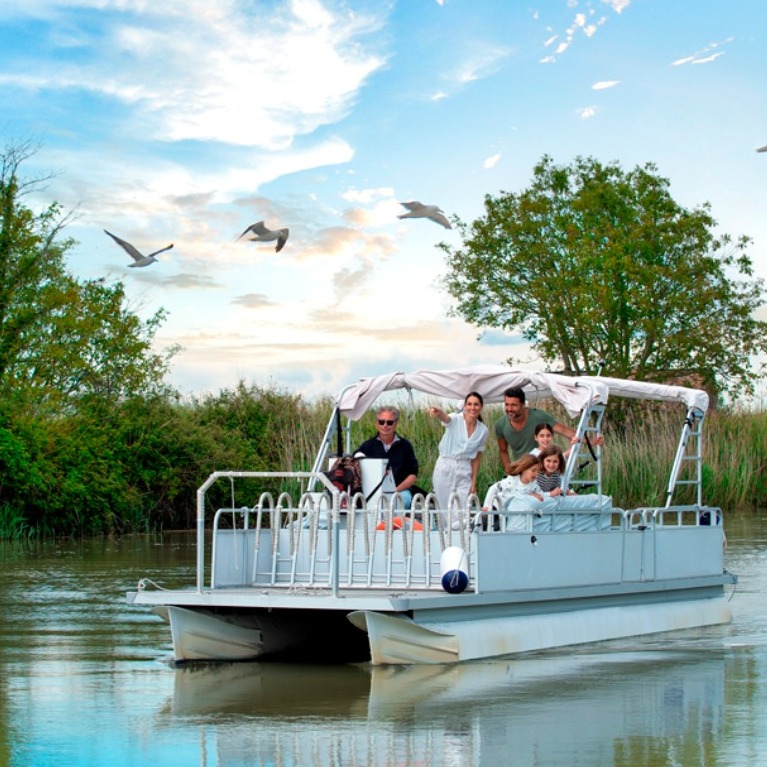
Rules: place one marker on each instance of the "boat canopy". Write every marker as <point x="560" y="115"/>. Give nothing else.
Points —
<point x="573" y="392"/>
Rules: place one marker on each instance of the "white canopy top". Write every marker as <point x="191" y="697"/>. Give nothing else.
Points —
<point x="574" y="393"/>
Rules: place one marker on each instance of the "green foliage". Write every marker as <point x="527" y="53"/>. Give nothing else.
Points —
<point x="135" y="465"/>
<point x="62" y="339"/>
<point x="593" y="263"/>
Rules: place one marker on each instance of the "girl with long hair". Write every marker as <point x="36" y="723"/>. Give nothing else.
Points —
<point x="520" y="482"/>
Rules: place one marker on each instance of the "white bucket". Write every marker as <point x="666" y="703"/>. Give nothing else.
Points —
<point x="373" y="470"/>
<point x="454" y="569"/>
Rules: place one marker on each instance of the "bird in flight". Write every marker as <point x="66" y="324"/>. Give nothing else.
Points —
<point x="418" y="210"/>
<point x="267" y="235"/>
<point x="139" y="259"/>
<point x="762" y="149"/>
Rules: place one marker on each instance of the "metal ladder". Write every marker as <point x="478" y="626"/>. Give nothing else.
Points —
<point x="589" y="426"/>
<point x="689" y="450"/>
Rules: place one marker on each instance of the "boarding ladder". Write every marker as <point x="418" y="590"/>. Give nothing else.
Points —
<point x="589" y="428"/>
<point x="689" y="451"/>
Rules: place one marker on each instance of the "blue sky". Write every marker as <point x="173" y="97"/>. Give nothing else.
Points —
<point x="185" y="121"/>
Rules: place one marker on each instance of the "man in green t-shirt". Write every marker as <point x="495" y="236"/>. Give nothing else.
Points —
<point x="515" y="431"/>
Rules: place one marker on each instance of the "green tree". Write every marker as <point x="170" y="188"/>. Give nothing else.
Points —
<point x="71" y="353"/>
<point x="61" y="338"/>
<point x="593" y="263"/>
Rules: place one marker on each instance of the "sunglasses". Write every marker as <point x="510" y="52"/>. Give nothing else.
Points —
<point x="384" y="422"/>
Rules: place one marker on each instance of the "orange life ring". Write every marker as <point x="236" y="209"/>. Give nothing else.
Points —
<point x="398" y="523"/>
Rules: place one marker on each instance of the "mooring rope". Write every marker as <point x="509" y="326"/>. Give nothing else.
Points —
<point x="142" y="584"/>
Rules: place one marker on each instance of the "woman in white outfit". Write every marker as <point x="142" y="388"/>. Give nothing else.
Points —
<point x="460" y="450"/>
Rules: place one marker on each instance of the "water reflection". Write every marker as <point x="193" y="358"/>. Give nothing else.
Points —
<point x="83" y="682"/>
<point x="590" y="709"/>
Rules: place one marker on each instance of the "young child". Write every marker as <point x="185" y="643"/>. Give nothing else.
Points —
<point x="521" y="481"/>
<point x="544" y="433"/>
<point x="552" y="465"/>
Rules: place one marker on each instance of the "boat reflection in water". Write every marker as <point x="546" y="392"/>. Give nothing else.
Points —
<point x="627" y="708"/>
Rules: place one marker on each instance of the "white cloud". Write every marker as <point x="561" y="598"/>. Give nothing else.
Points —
<point x="708" y="59"/>
<point x="154" y="59"/>
<point x="367" y="195"/>
<point x="704" y="55"/>
<point x="253" y="300"/>
<point x="618" y="5"/>
<point x="492" y="161"/>
<point x="479" y="64"/>
<point x="586" y="112"/>
<point x="382" y="213"/>
<point x="603" y="84"/>
<point x="580" y="24"/>
<point x="187" y="281"/>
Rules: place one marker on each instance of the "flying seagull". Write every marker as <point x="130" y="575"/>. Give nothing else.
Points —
<point x="139" y="259"/>
<point x="417" y="210"/>
<point x="762" y="149"/>
<point x="267" y="235"/>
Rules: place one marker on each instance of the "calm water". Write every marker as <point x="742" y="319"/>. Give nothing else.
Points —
<point x="84" y="681"/>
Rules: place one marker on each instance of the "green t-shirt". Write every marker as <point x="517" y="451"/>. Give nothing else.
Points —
<point x="522" y="441"/>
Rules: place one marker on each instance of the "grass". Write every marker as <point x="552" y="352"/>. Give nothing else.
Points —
<point x="249" y="429"/>
<point x="13" y="526"/>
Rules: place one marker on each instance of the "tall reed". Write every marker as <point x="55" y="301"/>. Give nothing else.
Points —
<point x="135" y="465"/>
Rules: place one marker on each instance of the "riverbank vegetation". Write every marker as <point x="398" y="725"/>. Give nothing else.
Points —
<point x="134" y="465"/>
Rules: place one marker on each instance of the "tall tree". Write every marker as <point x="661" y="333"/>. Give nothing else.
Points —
<point x="593" y="263"/>
<point x="61" y="338"/>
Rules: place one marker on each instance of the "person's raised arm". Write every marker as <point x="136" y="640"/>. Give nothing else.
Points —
<point x="565" y="431"/>
<point x="436" y="412"/>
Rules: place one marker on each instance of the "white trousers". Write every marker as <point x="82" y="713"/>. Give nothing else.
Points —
<point x="451" y="475"/>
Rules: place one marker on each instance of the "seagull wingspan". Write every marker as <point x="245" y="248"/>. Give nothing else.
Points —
<point x="161" y="250"/>
<point x="264" y="234"/>
<point x="127" y="247"/>
<point x="138" y="257"/>
<point x="257" y="228"/>
<point x="419" y="210"/>
<point x="440" y="218"/>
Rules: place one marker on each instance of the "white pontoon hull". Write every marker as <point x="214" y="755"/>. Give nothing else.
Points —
<point x="424" y="628"/>
<point x="399" y="640"/>
<point x="198" y="635"/>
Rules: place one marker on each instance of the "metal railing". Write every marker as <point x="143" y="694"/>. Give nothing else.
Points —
<point x="331" y="541"/>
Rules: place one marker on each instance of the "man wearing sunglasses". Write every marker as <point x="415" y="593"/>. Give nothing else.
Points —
<point x="399" y="452"/>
